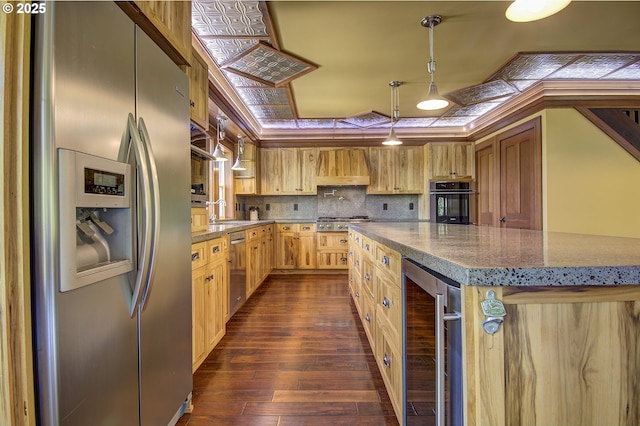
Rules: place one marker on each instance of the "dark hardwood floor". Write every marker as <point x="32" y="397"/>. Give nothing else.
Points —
<point x="294" y="354"/>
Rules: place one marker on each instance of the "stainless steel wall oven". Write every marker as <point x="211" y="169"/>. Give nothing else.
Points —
<point x="433" y="383"/>
<point x="451" y="202"/>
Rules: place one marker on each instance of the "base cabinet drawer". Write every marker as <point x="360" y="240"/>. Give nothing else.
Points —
<point x="389" y="303"/>
<point x="369" y="317"/>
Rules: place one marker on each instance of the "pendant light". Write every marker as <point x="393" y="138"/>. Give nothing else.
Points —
<point x="239" y="164"/>
<point x="433" y="100"/>
<point x="218" y="152"/>
<point x="532" y="10"/>
<point x="395" y="114"/>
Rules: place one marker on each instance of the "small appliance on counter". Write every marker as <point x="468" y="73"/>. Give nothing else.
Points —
<point x="253" y="213"/>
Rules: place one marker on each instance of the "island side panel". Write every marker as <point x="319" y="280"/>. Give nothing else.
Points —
<point x="569" y="356"/>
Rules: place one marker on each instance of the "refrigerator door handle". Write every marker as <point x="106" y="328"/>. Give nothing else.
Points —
<point x="153" y="207"/>
<point x="131" y="142"/>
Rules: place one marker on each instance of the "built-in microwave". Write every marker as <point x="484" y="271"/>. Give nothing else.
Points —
<point x="451" y="201"/>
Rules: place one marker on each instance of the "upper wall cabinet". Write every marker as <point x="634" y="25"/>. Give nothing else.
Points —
<point x="451" y="160"/>
<point x="288" y="171"/>
<point x="198" y="90"/>
<point x="245" y="181"/>
<point x="168" y="23"/>
<point x="396" y="170"/>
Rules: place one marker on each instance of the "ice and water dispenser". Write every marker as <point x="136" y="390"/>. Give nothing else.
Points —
<point x="96" y="219"/>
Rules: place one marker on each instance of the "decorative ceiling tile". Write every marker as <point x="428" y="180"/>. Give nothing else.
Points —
<point x="367" y="120"/>
<point x="223" y="49"/>
<point x="472" y="110"/>
<point x="228" y="18"/>
<point x="268" y="65"/>
<point x="452" y="121"/>
<point x="536" y="66"/>
<point x="318" y="123"/>
<point x="415" y="123"/>
<point x="279" y="124"/>
<point x="482" y="92"/>
<point x="264" y="96"/>
<point x="630" y="72"/>
<point x="239" y="81"/>
<point x="271" y="112"/>
<point x="593" y="66"/>
<point x="522" y="85"/>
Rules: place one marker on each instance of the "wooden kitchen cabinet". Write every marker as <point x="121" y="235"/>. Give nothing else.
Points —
<point x="332" y="249"/>
<point x="288" y="171"/>
<point x="396" y="170"/>
<point x="376" y="288"/>
<point x="245" y="182"/>
<point x="454" y="160"/>
<point x="296" y="246"/>
<point x="563" y="355"/>
<point x="259" y="256"/>
<point x="168" y="23"/>
<point x="210" y="300"/>
<point x="199" y="219"/>
<point x="198" y="74"/>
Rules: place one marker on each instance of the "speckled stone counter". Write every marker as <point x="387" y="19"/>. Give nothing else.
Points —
<point x="222" y="228"/>
<point x="473" y="255"/>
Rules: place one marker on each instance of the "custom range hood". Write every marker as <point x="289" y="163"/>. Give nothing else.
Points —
<point x="343" y="166"/>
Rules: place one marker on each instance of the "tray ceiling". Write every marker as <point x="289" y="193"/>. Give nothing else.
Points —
<point x="325" y="66"/>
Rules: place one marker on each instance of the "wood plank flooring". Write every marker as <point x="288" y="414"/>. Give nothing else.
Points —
<point x="294" y="354"/>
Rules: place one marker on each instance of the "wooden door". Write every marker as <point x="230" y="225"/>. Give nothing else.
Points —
<point x="521" y="178"/>
<point x="381" y="170"/>
<point x="214" y="304"/>
<point x="286" y="251"/>
<point x="509" y="178"/>
<point x="440" y="160"/>
<point x="487" y="186"/>
<point x="462" y="160"/>
<point x="198" y="311"/>
<point x="290" y="170"/>
<point x="306" y="250"/>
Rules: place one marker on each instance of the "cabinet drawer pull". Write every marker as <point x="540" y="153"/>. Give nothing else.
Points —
<point x="216" y="249"/>
<point x="357" y="263"/>
<point x="367" y="247"/>
<point x="306" y="228"/>
<point x="367" y="318"/>
<point x="343" y="259"/>
<point x="195" y="256"/>
<point x="357" y="239"/>
<point x="367" y="277"/>
<point x="385" y="260"/>
<point x="343" y="241"/>
<point x="285" y="228"/>
<point x="358" y="294"/>
<point x="387" y="360"/>
<point x="386" y="303"/>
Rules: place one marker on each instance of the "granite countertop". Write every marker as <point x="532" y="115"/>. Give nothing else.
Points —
<point x="222" y="228"/>
<point x="473" y="255"/>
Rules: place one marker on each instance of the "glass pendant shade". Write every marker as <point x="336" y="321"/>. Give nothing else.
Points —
<point x="392" y="139"/>
<point x="532" y="10"/>
<point x="433" y="100"/>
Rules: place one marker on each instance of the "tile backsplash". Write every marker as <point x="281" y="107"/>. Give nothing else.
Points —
<point x="339" y="201"/>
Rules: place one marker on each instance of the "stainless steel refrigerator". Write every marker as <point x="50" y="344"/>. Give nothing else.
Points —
<point x="110" y="221"/>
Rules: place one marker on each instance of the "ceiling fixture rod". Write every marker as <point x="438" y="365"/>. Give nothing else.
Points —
<point x="392" y="139"/>
<point x="218" y="151"/>
<point x="433" y="100"/>
<point x="238" y="165"/>
<point x="532" y="10"/>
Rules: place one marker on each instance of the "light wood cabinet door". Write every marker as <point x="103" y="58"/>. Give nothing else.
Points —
<point x="245" y="182"/>
<point x="198" y="346"/>
<point x="214" y="304"/>
<point x="168" y="23"/>
<point x="451" y="161"/>
<point x="332" y="250"/>
<point x="306" y="258"/>
<point x="288" y="171"/>
<point x="563" y="355"/>
<point x="198" y="74"/>
<point x="396" y="170"/>
<point x="286" y="252"/>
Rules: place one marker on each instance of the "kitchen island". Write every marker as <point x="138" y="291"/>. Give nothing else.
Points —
<point x="568" y="351"/>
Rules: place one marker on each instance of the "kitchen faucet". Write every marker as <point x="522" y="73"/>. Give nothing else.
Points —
<point x="212" y="218"/>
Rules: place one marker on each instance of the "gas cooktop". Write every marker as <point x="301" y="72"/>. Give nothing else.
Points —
<point x="336" y="223"/>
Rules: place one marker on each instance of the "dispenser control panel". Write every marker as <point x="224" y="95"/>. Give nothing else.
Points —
<point x="103" y="182"/>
